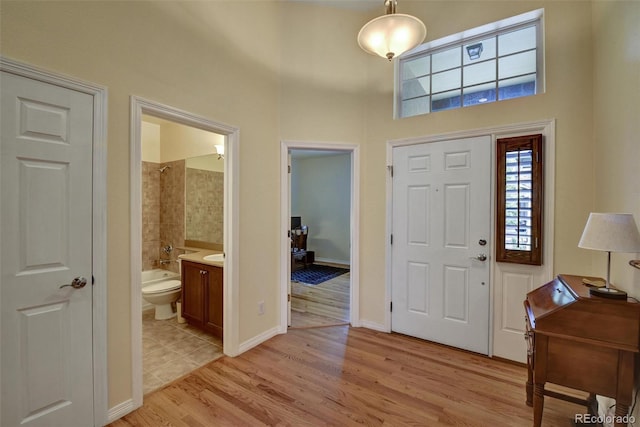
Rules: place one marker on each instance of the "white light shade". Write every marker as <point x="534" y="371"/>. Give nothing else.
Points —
<point x="612" y="232"/>
<point x="391" y="35"/>
<point x="220" y="149"/>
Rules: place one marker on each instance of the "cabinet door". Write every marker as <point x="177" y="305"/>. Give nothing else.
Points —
<point x="213" y="303"/>
<point x="193" y="293"/>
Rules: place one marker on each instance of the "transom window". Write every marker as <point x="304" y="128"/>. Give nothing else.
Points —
<point x="499" y="61"/>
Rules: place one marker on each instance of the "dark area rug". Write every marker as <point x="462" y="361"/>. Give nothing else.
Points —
<point x="314" y="274"/>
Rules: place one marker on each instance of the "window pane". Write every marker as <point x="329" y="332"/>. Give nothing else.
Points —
<point x="413" y="107"/>
<point x="479" y="94"/>
<point x="446" y="59"/>
<point x="416" y="87"/>
<point x="488" y="50"/>
<point x="479" y="73"/>
<point x="517" y="41"/>
<point x="515" y="65"/>
<point x="415" y="67"/>
<point x="518" y="197"/>
<point x="446" y="81"/>
<point x="446" y="101"/>
<point x="515" y="88"/>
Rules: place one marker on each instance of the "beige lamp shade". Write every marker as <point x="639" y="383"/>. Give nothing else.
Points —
<point x="391" y="35"/>
<point x="611" y="232"/>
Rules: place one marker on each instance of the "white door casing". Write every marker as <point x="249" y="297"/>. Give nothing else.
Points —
<point x="285" y="243"/>
<point x="47" y="227"/>
<point x="441" y="242"/>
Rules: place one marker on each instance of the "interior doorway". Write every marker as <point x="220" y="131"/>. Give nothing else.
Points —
<point x="319" y="227"/>
<point x="320" y="196"/>
<point x="229" y="135"/>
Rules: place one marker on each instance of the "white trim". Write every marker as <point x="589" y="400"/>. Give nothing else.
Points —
<point x="258" y="339"/>
<point x="140" y="106"/>
<point x="120" y="410"/>
<point x="374" y="326"/>
<point x="547" y="128"/>
<point x="334" y="261"/>
<point x="285" y="244"/>
<point x="478" y="32"/>
<point x="99" y="206"/>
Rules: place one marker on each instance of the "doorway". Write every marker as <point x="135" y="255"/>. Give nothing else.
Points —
<point x="182" y="212"/>
<point x="442" y="242"/>
<point x="333" y="301"/>
<point x="139" y="108"/>
<point x="509" y="282"/>
<point x="320" y="231"/>
<point x="54" y="326"/>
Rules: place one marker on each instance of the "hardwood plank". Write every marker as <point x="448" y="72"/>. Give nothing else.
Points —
<point x="346" y="376"/>
<point x="325" y="304"/>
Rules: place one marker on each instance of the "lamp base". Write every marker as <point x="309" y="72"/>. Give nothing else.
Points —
<point x="610" y="293"/>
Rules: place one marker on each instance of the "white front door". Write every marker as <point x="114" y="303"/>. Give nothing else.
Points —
<point x="46" y="225"/>
<point x="441" y="242"/>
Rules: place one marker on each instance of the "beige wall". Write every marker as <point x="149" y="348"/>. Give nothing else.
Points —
<point x="321" y="195"/>
<point x="163" y="51"/>
<point x="296" y="73"/>
<point x="616" y="157"/>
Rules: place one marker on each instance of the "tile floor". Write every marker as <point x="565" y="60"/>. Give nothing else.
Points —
<point x="171" y="350"/>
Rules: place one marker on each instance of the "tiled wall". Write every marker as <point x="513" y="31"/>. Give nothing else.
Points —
<point x="163" y="204"/>
<point x="172" y="185"/>
<point x="150" y="215"/>
<point x="204" y="205"/>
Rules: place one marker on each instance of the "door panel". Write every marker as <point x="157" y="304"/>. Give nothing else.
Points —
<point x="46" y="224"/>
<point x="441" y="210"/>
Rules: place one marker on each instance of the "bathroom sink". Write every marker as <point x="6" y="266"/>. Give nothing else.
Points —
<point x="214" y="257"/>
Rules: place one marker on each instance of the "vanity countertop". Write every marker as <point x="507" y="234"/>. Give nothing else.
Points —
<point x="199" y="257"/>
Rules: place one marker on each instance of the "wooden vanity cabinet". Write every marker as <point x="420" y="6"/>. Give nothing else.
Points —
<point x="202" y="296"/>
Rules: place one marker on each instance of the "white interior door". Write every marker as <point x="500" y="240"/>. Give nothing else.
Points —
<point x="441" y="242"/>
<point x="46" y="226"/>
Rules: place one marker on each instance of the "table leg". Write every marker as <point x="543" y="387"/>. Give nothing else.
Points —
<point x="621" y="411"/>
<point x="538" y="404"/>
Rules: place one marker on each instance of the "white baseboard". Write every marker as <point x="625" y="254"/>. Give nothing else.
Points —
<point x="258" y="339"/>
<point x="333" y="261"/>
<point x="373" y="325"/>
<point x="120" y="410"/>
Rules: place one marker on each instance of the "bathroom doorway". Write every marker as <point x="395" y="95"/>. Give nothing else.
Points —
<point x="184" y="194"/>
<point x="320" y="194"/>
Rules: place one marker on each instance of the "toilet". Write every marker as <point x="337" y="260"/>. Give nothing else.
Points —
<point x="162" y="295"/>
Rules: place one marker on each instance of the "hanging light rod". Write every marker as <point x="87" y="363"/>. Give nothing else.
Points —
<point x="392" y="34"/>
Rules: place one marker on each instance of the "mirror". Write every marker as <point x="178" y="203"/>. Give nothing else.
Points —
<point x="204" y="197"/>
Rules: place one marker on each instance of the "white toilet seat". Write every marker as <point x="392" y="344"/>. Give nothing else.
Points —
<point x="165" y="286"/>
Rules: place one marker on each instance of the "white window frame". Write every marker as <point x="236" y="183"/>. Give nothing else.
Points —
<point x="535" y="17"/>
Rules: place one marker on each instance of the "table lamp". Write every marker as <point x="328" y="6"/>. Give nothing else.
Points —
<point x="610" y="232"/>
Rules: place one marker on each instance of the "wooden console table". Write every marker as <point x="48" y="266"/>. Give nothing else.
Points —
<point x="580" y="341"/>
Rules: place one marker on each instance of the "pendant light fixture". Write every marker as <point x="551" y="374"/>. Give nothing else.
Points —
<point x="392" y="34"/>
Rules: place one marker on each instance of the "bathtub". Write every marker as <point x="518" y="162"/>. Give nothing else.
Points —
<point x="156" y="275"/>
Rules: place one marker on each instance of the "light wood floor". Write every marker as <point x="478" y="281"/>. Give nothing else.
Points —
<point x="323" y="304"/>
<point x="346" y="376"/>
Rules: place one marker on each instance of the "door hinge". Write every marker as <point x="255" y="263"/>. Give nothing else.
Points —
<point x="289" y="168"/>
<point x="537" y="157"/>
<point x="391" y="306"/>
<point x="93" y="280"/>
<point x="391" y="239"/>
<point x="288" y="297"/>
<point x="390" y="169"/>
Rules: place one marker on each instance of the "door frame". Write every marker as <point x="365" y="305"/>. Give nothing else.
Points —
<point x="547" y="128"/>
<point x="231" y="296"/>
<point x="99" y="219"/>
<point x="285" y="224"/>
